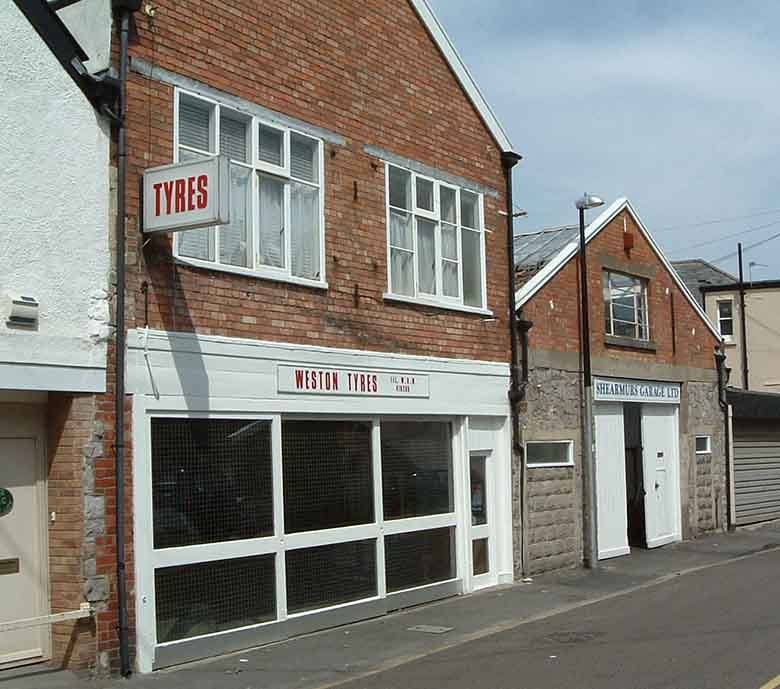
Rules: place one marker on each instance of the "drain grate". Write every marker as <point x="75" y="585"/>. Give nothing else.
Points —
<point x="429" y="629"/>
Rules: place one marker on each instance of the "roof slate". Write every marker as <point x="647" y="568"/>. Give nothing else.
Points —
<point x="697" y="273"/>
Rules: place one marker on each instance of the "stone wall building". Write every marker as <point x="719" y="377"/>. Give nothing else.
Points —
<point x="659" y="424"/>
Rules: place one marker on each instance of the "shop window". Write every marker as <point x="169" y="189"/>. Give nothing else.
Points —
<point x="480" y="556"/>
<point x="210" y="597"/>
<point x="726" y="319"/>
<point x="553" y="453"/>
<point x="328" y="477"/>
<point x="703" y="444"/>
<point x="329" y="575"/>
<point x="416" y="469"/>
<point x="625" y="306"/>
<point x="435" y="240"/>
<point x="211" y="480"/>
<point x="277" y="224"/>
<point x="419" y="558"/>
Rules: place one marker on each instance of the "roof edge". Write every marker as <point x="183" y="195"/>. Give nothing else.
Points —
<point x="462" y="74"/>
<point x="731" y="286"/>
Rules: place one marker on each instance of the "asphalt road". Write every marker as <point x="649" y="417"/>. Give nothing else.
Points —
<point x="718" y="628"/>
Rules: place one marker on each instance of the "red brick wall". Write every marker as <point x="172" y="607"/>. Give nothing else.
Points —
<point x="554" y="310"/>
<point x="368" y="71"/>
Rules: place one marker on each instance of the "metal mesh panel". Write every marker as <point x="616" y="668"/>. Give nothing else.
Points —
<point x="416" y="469"/>
<point x="327" y="474"/>
<point x="192" y="600"/>
<point x="211" y="480"/>
<point x="331" y="574"/>
<point x="419" y="558"/>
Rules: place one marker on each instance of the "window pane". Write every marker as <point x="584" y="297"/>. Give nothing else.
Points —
<point x="419" y="558"/>
<point x="702" y="443"/>
<point x="402" y="272"/>
<point x="270" y="147"/>
<point x="232" y="137"/>
<point x="416" y="469"/>
<point x="424" y="189"/>
<point x="449" y="279"/>
<point x="448" y="200"/>
<point x="426" y="256"/>
<point x="479" y="554"/>
<point x="726" y="327"/>
<point x="210" y="597"/>
<point x="471" y="243"/>
<point x="401" y="230"/>
<point x="327" y="474"/>
<point x="478" y="491"/>
<point x="330" y="574"/>
<point x="305" y="230"/>
<point x="211" y="480"/>
<point x="548" y="453"/>
<point x="725" y="309"/>
<point x="449" y="242"/>
<point x="622" y="329"/>
<point x="233" y="238"/>
<point x="624" y="313"/>
<point x="195" y="243"/>
<point x="194" y="124"/>
<point x="400" y="188"/>
<point x="304" y="158"/>
<point x="271" y="239"/>
<point x="469" y="209"/>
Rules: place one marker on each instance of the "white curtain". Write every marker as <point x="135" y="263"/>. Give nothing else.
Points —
<point x="401" y="230"/>
<point x="402" y="272"/>
<point x="195" y="243"/>
<point x="471" y="243"/>
<point x="233" y="238"/>
<point x="426" y="255"/>
<point x="271" y="250"/>
<point x="305" y="230"/>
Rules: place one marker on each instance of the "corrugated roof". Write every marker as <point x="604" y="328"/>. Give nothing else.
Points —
<point x="534" y="250"/>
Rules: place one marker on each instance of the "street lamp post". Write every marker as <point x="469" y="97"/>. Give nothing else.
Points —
<point x="588" y="463"/>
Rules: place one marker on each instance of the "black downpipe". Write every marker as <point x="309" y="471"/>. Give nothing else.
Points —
<point x="125" y="11"/>
<point x="508" y="161"/>
<point x="720" y="366"/>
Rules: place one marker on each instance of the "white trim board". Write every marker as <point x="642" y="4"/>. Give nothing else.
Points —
<point x="530" y="288"/>
<point x="462" y="74"/>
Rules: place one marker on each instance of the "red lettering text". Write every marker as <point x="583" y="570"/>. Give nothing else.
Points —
<point x="157" y="188"/>
<point x="181" y="190"/>
<point x="191" y="193"/>
<point x="168" y="189"/>
<point x="203" y="191"/>
<point x="298" y="378"/>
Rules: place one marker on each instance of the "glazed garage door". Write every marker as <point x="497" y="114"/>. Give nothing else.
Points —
<point x="756" y="475"/>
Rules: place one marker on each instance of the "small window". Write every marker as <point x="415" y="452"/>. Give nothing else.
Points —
<point x="625" y="306"/>
<point x="703" y="445"/>
<point x="551" y="453"/>
<point x="726" y="318"/>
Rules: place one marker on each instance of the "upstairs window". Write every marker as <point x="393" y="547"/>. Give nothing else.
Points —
<point x="276" y="225"/>
<point x="726" y="318"/>
<point x="625" y="306"/>
<point x="435" y="241"/>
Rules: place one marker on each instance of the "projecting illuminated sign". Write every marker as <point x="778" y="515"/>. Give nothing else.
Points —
<point x="185" y="196"/>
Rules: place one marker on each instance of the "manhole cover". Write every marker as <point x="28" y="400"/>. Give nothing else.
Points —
<point x="430" y="629"/>
<point x="573" y="637"/>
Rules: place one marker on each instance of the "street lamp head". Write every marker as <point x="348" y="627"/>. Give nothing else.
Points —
<point x="588" y="201"/>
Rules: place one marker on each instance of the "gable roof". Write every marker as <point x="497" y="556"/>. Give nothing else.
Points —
<point x="698" y="274"/>
<point x="557" y="262"/>
<point x="458" y="67"/>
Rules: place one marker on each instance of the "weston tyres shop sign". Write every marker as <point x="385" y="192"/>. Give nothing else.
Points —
<point x="335" y="381"/>
<point x="185" y="196"/>
<point x="621" y="390"/>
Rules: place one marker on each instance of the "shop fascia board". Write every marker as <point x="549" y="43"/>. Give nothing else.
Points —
<point x="551" y="269"/>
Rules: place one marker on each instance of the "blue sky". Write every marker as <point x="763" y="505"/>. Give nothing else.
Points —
<point x="673" y="104"/>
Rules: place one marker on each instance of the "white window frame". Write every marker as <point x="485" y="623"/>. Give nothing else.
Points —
<point x="437" y="300"/>
<point x="258" y="167"/>
<point x="570" y="453"/>
<point x="708" y="451"/>
<point x="608" y="304"/>
<point x="718" y="302"/>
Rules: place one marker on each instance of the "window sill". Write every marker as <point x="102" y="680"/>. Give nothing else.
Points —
<point x="246" y="272"/>
<point x="630" y="342"/>
<point x="557" y="465"/>
<point x="437" y="304"/>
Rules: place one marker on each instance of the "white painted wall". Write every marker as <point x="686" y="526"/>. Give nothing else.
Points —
<point x="54" y="213"/>
<point x="90" y="23"/>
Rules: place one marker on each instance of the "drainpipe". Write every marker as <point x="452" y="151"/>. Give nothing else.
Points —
<point x="524" y="326"/>
<point x="124" y="8"/>
<point x="508" y="161"/>
<point x="723" y="377"/>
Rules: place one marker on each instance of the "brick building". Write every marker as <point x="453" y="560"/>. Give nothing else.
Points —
<point x="300" y="452"/>
<point x="659" y="424"/>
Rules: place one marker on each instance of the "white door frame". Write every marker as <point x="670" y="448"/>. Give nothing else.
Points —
<point x="483" y="531"/>
<point x="27" y="420"/>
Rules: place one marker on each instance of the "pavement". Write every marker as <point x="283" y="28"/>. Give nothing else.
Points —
<point x="673" y="601"/>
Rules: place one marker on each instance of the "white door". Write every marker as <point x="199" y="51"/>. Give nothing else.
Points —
<point x="612" y="512"/>
<point x="21" y="587"/>
<point x="483" y="545"/>
<point x="660" y="468"/>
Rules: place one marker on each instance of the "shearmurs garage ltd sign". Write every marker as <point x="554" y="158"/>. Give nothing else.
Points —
<point x="185" y="196"/>
<point x="338" y="381"/>
<point x="621" y="390"/>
